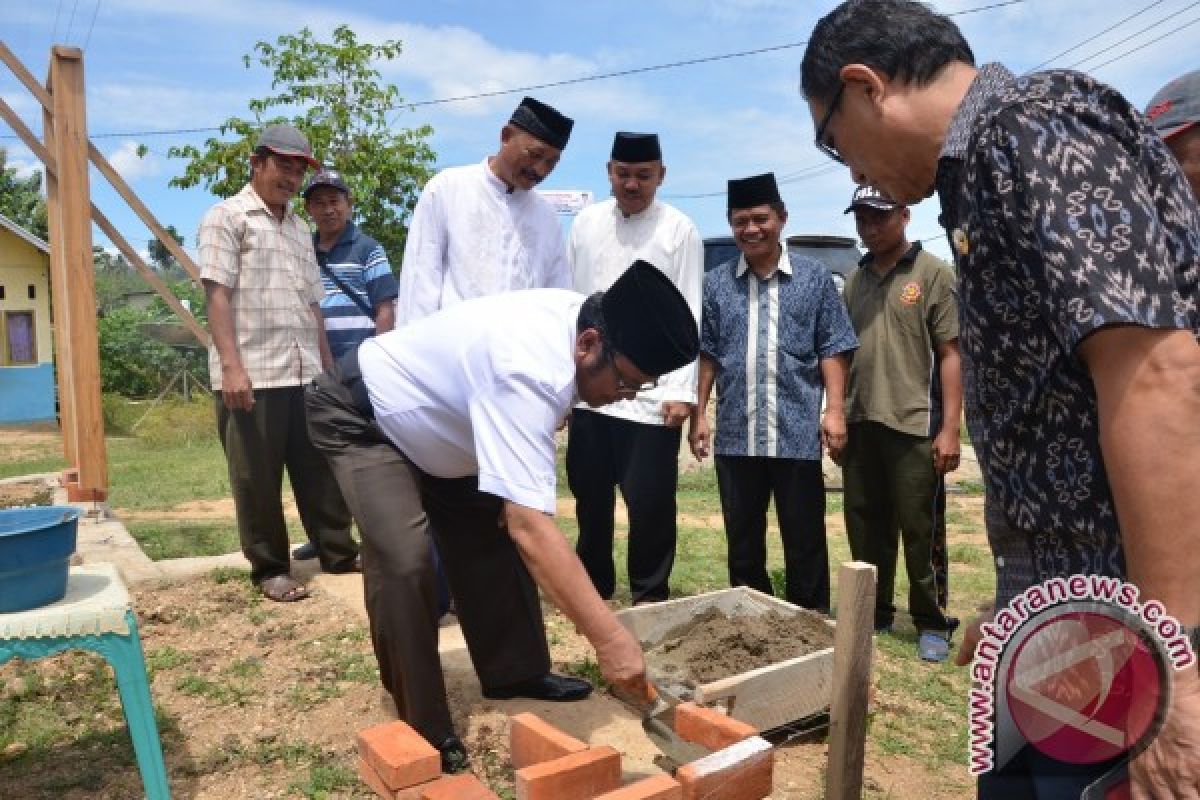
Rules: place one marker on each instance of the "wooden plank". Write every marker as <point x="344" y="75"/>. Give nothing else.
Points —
<point x="650" y="623"/>
<point x="59" y="318"/>
<point x="777" y="694"/>
<point x="74" y="192"/>
<point x="852" y="651"/>
<point x="41" y="93"/>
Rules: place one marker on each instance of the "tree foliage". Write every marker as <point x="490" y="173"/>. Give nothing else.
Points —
<point x="160" y="256"/>
<point x="333" y="92"/>
<point x="21" y="199"/>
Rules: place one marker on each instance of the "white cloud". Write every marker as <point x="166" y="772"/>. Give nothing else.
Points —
<point x="132" y="166"/>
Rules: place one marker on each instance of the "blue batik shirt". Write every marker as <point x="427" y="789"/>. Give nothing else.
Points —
<point x="768" y="338"/>
<point x="360" y="263"/>
<point x="1066" y="214"/>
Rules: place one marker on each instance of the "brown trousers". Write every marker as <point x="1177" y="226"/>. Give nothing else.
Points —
<point x="397" y="508"/>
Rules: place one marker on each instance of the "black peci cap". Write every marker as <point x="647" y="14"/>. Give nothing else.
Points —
<point x="649" y="322"/>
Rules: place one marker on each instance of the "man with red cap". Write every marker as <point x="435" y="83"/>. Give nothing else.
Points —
<point x="264" y="291"/>
<point x="1174" y="111"/>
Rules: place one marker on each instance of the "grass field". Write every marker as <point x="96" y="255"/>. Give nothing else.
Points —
<point x="175" y="462"/>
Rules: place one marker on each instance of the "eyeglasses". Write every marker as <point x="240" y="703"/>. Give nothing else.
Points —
<point x="623" y="386"/>
<point x="822" y="145"/>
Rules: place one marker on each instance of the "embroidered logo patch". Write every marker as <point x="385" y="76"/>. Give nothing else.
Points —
<point x="910" y="293"/>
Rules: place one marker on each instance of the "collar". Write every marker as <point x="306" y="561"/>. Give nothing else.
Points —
<point x="910" y="255"/>
<point x="253" y="202"/>
<point x="784" y="264"/>
<point x="988" y="82"/>
<point x="647" y="213"/>
<point x="347" y="235"/>
<point x="495" y="184"/>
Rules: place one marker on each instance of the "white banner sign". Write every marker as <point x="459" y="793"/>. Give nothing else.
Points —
<point x="567" y="201"/>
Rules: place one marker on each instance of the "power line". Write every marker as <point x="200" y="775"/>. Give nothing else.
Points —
<point x="95" y="13"/>
<point x="71" y="22"/>
<point x="1134" y="35"/>
<point x="57" y="13"/>
<point x="1144" y="45"/>
<point x="553" y="84"/>
<point x="1093" y="38"/>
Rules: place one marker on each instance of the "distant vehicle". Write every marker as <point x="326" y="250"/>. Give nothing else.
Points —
<point x="839" y="254"/>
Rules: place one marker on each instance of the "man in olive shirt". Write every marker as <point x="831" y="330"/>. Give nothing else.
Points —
<point x="904" y="312"/>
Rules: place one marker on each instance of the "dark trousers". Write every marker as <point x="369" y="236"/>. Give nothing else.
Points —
<point x="889" y="483"/>
<point x="603" y="453"/>
<point x="259" y="444"/>
<point x="939" y="551"/>
<point x="746" y="484"/>
<point x="495" y="596"/>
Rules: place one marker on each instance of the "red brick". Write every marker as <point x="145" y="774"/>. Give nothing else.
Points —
<point x="742" y="771"/>
<point x="710" y="728"/>
<point x="399" y="755"/>
<point x="371" y="778"/>
<point x="579" y="776"/>
<point x="660" y="787"/>
<point x="532" y="741"/>
<point x="457" y="787"/>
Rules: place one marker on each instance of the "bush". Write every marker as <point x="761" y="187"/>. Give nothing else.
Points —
<point x="134" y="365"/>
<point x="174" y="422"/>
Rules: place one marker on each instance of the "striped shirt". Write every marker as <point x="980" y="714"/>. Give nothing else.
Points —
<point x="270" y="266"/>
<point x="360" y="263"/>
<point x="768" y="337"/>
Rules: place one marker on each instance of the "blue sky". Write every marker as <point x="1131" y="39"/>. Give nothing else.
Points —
<point x="161" y="65"/>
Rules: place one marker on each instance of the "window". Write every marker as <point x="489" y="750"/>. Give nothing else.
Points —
<point x="32" y="292"/>
<point x="19" y="338"/>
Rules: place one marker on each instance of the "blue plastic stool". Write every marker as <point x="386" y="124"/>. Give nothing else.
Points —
<point x="97" y="615"/>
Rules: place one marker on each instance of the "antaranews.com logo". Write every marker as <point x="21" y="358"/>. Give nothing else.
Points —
<point x="1078" y="668"/>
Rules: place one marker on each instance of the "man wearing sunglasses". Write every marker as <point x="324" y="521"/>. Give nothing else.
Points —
<point x="1076" y="239"/>
<point x="633" y="443"/>
<point x="775" y="334"/>
<point x="454" y="417"/>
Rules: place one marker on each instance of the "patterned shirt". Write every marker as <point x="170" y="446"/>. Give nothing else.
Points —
<point x="471" y="237"/>
<point x="1066" y="213"/>
<point x="768" y="338"/>
<point x="361" y="265"/>
<point x="270" y="266"/>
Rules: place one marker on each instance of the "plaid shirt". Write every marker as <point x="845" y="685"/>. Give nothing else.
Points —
<point x="270" y="266"/>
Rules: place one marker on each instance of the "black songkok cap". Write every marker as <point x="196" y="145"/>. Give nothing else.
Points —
<point x="649" y="322"/>
<point x="634" y="148"/>
<point x="544" y="122"/>
<point x="757" y="190"/>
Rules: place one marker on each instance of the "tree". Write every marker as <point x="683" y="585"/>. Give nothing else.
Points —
<point x="333" y="93"/>
<point x="21" y="199"/>
<point x="160" y="256"/>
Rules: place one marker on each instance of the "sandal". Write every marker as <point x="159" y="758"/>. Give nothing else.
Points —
<point x="283" y="589"/>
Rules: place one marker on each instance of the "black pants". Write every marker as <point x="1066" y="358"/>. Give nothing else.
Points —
<point x="746" y="484"/>
<point x="259" y="444"/>
<point x="603" y="453"/>
<point x="397" y="507"/>
<point x="939" y="551"/>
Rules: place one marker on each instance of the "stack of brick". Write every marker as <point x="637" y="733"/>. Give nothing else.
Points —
<point x="398" y="764"/>
<point x="551" y="765"/>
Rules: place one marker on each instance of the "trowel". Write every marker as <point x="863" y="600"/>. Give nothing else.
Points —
<point x="656" y="722"/>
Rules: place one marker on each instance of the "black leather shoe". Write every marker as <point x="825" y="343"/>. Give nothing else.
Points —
<point x="305" y="552"/>
<point x="555" y="688"/>
<point x="454" y="756"/>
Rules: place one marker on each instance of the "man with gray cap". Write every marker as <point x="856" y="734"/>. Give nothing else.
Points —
<point x="454" y="416"/>
<point x="1174" y="111"/>
<point x="264" y="291"/>
<point x="901" y="302"/>
<point x="480" y="229"/>
<point x="633" y="443"/>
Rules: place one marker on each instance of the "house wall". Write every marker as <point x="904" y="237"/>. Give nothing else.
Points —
<point x="26" y="391"/>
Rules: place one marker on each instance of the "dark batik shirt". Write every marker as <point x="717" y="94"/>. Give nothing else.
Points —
<point x="768" y="337"/>
<point x="1066" y="213"/>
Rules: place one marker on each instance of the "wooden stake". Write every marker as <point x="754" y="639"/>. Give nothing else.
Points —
<point x="75" y="263"/>
<point x="852" y="650"/>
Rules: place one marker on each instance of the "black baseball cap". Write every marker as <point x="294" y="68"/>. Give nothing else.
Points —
<point x="870" y="197"/>
<point x="326" y="177"/>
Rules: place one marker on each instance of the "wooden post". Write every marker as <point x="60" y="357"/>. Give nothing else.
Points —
<point x="74" y="240"/>
<point x="852" y="650"/>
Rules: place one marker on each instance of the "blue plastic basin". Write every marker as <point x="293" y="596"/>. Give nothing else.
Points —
<point x="35" y="549"/>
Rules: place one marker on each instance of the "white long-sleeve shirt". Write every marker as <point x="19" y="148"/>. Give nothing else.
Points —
<point x="602" y="245"/>
<point x="470" y="237"/>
